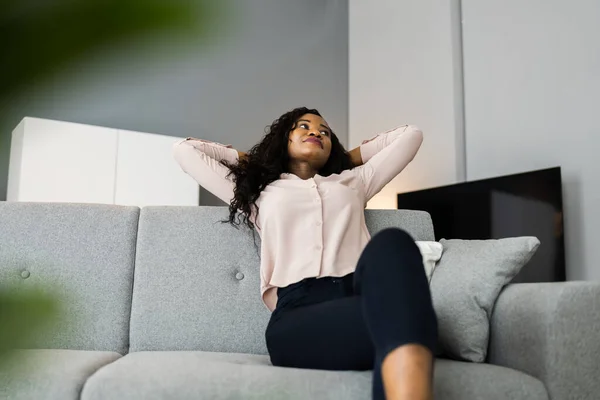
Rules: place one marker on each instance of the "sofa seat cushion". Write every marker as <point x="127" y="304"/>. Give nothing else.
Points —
<point x="456" y="380"/>
<point x="51" y="374"/>
<point x="206" y="375"/>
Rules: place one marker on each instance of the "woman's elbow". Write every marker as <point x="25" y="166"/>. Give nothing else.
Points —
<point x="416" y="134"/>
<point x="179" y="152"/>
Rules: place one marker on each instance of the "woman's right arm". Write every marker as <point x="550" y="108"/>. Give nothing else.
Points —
<point x="201" y="160"/>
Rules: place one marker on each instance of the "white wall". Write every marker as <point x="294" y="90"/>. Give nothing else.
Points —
<point x="532" y="100"/>
<point x="404" y="67"/>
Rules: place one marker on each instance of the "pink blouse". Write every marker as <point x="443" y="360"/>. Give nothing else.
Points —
<point x="308" y="228"/>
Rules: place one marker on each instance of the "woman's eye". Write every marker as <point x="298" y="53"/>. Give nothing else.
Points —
<point x="304" y="126"/>
<point x="325" y="133"/>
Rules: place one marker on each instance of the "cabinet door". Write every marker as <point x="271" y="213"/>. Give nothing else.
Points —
<point x="148" y="175"/>
<point x="54" y="161"/>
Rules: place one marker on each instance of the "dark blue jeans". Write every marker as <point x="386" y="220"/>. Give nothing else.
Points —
<point x="353" y="322"/>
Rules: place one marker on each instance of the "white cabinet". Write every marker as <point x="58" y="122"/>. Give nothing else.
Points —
<point x="147" y="174"/>
<point x="54" y="161"/>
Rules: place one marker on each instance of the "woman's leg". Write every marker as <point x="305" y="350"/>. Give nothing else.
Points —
<point x="329" y="334"/>
<point x="389" y="318"/>
<point x="321" y="326"/>
<point x="397" y="307"/>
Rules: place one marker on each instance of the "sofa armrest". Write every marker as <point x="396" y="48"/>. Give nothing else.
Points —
<point x="552" y="332"/>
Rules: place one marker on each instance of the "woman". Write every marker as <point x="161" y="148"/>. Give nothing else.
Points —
<point x="339" y="299"/>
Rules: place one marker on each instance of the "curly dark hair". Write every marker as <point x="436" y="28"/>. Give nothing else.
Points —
<point x="267" y="160"/>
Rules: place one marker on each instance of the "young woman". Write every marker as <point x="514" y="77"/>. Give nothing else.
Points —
<point x="339" y="299"/>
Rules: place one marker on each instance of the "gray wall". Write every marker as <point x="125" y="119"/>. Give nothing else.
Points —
<point x="532" y="100"/>
<point x="272" y="56"/>
<point x="405" y="69"/>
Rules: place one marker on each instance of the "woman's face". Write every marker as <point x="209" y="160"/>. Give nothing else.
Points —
<point x="310" y="141"/>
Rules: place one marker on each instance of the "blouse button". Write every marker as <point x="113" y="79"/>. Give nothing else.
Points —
<point x="239" y="276"/>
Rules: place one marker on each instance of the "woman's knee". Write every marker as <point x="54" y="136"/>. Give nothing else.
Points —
<point x="390" y="247"/>
<point x="393" y="235"/>
<point x="393" y="240"/>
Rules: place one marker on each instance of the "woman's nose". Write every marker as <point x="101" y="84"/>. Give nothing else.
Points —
<point x="315" y="134"/>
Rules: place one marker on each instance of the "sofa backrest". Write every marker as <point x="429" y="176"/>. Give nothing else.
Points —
<point x="197" y="280"/>
<point x="86" y="253"/>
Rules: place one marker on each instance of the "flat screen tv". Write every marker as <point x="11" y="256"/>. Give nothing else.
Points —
<point x="527" y="204"/>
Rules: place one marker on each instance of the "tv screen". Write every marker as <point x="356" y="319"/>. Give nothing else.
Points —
<point x="527" y="204"/>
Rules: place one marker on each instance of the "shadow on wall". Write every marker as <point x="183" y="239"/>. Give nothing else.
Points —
<point x="574" y="221"/>
<point x="4" y="155"/>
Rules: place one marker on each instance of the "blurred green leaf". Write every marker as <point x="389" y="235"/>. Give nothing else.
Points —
<point x="42" y="36"/>
<point x="23" y="313"/>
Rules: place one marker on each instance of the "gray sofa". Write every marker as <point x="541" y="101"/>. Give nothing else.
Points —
<point x="164" y="304"/>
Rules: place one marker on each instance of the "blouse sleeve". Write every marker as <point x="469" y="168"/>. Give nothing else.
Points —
<point x="201" y="160"/>
<point x="386" y="155"/>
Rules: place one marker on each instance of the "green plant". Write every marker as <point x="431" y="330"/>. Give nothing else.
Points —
<point x="23" y="312"/>
<point x="41" y="37"/>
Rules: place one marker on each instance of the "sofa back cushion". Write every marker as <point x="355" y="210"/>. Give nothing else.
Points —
<point x="84" y="252"/>
<point x="197" y="280"/>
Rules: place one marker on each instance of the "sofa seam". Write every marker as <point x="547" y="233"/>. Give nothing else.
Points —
<point x="95" y="372"/>
<point x="134" y="261"/>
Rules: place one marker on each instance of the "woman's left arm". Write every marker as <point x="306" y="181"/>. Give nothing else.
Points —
<point x="385" y="156"/>
<point x="368" y="148"/>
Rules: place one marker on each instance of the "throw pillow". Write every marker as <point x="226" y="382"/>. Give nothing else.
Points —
<point x="431" y="253"/>
<point x="465" y="286"/>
